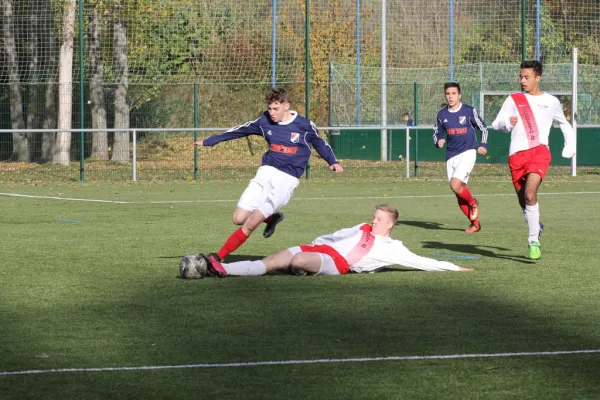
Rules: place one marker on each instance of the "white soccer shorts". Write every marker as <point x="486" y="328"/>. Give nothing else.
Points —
<point x="327" y="264"/>
<point x="268" y="191"/>
<point x="461" y="165"/>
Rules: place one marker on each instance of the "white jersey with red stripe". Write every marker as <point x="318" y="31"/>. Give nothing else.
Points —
<point x="546" y="108"/>
<point x="367" y="252"/>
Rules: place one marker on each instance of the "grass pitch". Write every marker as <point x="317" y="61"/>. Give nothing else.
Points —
<point x="91" y="306"/>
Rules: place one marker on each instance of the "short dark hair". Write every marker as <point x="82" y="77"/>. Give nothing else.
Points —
<point x="448" y="85"/>
<point x="406" y="114"/>
<point x="277" y="95"/>
<point x="535" y="65"/>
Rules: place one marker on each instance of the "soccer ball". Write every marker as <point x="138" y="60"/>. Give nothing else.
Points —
<point x="193" y="266"/>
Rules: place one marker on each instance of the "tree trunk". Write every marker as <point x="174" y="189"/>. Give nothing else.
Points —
<point x="33" y="107"/>
<point x="65" y="84"/>
<point x="121" y="143"/>
<point x="48" y="48"/>
<point x="97" y="100"/>
<point x="20" y="139"/>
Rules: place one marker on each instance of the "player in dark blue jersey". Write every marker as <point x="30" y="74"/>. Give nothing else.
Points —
<point x="290" y="138"/>
<point x="456" y="125"/>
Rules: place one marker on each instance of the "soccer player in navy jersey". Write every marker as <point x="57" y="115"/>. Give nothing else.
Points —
<point x="456" y="125"/>
<point x="290" y="138"/>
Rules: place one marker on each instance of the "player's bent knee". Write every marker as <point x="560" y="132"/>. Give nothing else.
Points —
<point x="240" y="216"/>
<point x="309" y="262"/>
<point x="238" y="220"/>
<point x="253" y="221"/>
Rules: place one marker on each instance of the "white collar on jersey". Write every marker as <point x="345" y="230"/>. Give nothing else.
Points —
<point x="294" y="115"/>
<point x="457" y="110"/>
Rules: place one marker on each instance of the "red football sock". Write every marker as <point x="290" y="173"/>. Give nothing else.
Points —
<point x="464" y="206"/>
<point x="236" y="239"/>
<point x="465" y="194"/>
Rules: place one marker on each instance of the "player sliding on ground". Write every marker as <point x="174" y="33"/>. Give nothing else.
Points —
<point x="362" y="248"/>
<point x="290" y="138"/>
<point x="456" y="125"/>
<point x="528" y="116"/>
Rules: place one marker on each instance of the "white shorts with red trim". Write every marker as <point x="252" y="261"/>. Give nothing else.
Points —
<point x="327" y="264"/>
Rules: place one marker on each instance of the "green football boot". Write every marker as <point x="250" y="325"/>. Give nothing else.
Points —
<point x="535" y="252"/>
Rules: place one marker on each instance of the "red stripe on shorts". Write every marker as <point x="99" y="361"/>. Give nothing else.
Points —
<point x="340" y="262"/>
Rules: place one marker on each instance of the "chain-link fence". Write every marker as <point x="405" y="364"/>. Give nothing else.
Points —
<point x="190" y="63"/>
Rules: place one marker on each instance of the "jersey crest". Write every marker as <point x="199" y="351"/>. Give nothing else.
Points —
<point x="462" y="120"/>
<point x="295" y="137"/>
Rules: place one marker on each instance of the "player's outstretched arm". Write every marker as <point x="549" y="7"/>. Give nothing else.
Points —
<point x="400" y="255"/>
<point x="245" y="130"/>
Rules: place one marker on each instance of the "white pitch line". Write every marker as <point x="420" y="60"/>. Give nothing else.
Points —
<point x="293" y="199"/>
<point x="62" y="198"/>
<point x="296" y="362"/>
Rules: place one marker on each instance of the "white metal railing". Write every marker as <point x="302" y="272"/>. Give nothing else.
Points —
<point x="135" y="131"/>
<point x="333" y="129"/>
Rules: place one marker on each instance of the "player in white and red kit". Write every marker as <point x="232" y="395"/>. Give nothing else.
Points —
<point x="362" y="248"/>
<point x="290" y="138"/>
<point x="456" y="124"/>
<point x="528" y="116"/>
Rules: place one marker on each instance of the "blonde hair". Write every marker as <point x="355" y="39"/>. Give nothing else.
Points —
<point x="391" y="210"/>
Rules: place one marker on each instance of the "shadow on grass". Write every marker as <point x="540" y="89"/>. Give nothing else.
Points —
<point x="230" y="258"/>
<point x="427" y="225"/>
<point x="484" y="251"/>
<point x="162" y="321"/>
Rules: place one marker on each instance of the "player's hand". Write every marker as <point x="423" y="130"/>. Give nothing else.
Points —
<point x="337" y="168"/>
<point x="441" y="143"/>
<point x="198" y="143"/>
<point x="513" y="121"/>
<point x="482" y="150"/>
<point x="568" y="152"/>
<point x="463" y="269"/>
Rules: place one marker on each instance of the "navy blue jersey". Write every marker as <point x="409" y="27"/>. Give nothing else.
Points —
<point x="290" y="143"/>
<point x="458" y="128"/>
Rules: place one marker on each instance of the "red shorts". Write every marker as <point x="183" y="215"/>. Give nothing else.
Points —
<point x="535" y="160"/>
<point x="340" y="262"/>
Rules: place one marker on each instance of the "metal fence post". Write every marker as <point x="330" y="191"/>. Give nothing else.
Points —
<point x="407" y="152"/>
<point x="196" y="121"/>
<point x="134" y="155"/>
<point x="416" y="104"/>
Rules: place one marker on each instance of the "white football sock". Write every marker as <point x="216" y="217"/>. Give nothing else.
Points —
<point x="245" y="268"/>
<point x="532" y="215"/>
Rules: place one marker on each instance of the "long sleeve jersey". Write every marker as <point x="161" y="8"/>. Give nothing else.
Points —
<point x="290" y="143"/>
<point x="546" y="108"/>
<point x="458" y="128"/>
<point x="367" y="252"/>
